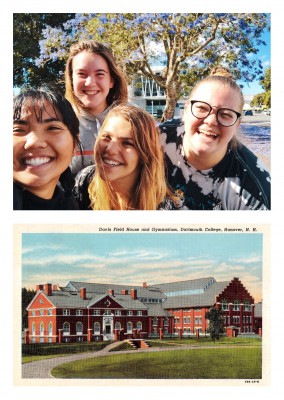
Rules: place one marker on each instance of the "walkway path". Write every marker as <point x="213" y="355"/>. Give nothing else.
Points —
<point x="42" y="369"/>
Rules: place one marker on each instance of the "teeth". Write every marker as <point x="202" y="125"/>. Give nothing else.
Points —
<point x="208" y="133"/>
<point x="88" y="92"/>
<point x="112" y="163"/>
<point x="37" y="161"/>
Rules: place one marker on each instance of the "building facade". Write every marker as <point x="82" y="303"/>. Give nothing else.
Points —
<point x="89" y="312"/>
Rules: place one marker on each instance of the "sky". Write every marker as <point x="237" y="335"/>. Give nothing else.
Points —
<point x="265" y="55"/>
<point x="124" y="258"/>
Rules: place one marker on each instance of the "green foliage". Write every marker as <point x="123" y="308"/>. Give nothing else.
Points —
<point x="44" y="349"/>
<point x="216" y="323"/>
<point x="263" y="100"/>
<point x="27" y="296"/>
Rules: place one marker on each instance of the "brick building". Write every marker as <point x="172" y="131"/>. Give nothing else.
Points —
<point x="83" y="311"/>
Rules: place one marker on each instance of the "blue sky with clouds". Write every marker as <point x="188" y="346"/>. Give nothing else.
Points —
<point x="143" y="257"/>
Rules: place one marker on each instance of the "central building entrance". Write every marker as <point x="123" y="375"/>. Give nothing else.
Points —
<point x="108" y="326"/>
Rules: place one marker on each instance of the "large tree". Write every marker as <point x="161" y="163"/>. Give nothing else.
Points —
<point x="27" y="33"/>
<point x="188" y="45"/>
<point x="216" y="323"/>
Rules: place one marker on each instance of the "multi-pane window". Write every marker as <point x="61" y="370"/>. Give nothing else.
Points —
<point x="66" y="328"/>
<point x="129" y="313"/>
<point x="79" y="328"/>
<point x="139" y="326"/>
<point x="225" y="305"/>
<point x="117" y="326"/>
<point x="139" y="313"/>
<point x="129" y="327"/>
<point x="155" y="321"/>
<point x="49" y="311"/>
<point x="97" y="312"/>
<point x="41" y="328"/>
<point x="236" y="305"/>
<point x="117" y="312"/>
<point x="66" y="311"/>
<point x="33" y="329"/>
<point x="247" y="306"/>
<point x="50" y="328"/>
<point x="97" y="328"/>
<point x="79" y="312"/>
<point x="33" y="313"/>
<point x="198" y="320"/>
<point x="41" y="312"/>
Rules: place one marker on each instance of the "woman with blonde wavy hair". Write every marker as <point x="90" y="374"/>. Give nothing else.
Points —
<point x="129" y="167"/>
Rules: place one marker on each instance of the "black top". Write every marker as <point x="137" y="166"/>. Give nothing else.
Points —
<point x="238" y="182"/>
<point x="25" y="200"/>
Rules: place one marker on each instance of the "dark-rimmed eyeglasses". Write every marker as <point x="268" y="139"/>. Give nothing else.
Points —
<point x="225" y="116"/>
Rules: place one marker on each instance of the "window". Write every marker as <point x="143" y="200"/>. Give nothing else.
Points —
<point x="188" y="320"/>
<point x="97" y="312"/>
<point x="33" y="329"/>
<point x="33" y="313"/>
<point x="117" y="326"/>
<point x="66" y="329"/>
<point x="129" y="327"/>
<point x="139" y="313"/>
<point x="50" y="311"/>
<point x="184" y="320"/>
<point x="79" y="328"/>
<point x="225" y="305"/>
<point x="66" y="312"/>
<point x="139" y="326"/>
<point x="79" y="312"/>
<point x="198" y="320"/>
<point x="50" y="329"/>
<point x="107" y="312"/>
<point x="236" y="305"/>
<point x="155" y="321"/>
<point x="41" y="312"/>
<point x="41" y="301"/>
<point x="129" y="313"/>
<point x="97" y="328"/>
<point x="247" y="305"/>
<point x="117" y="312"/>
<point x="166" y="321"/>
<point x="41" y="329"/>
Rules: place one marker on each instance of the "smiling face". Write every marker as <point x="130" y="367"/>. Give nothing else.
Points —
<point x="205" y="141"/>
<point x="42" y="150"/>
<point x="116" y="155"/>
<point x="91" y="81"/>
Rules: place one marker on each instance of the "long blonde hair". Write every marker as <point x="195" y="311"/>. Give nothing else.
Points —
<point x="118" y="93"/>
<point x="151" y="187"/>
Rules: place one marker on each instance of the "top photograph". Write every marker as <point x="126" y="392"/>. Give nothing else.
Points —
<point x="142" y="111"/>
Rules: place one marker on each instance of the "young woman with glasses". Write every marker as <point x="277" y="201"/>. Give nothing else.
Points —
<point x="206" y="164"/>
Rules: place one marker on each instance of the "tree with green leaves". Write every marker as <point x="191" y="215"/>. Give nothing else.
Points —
<point x="264" y="99"/>
<point x="216" y="323"/>
<point x="27" y="33"/>
<point x="187" y="45"/>
<point x="27" y="296"/>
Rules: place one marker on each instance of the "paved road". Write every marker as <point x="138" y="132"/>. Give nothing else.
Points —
<point x="42" y="369"/>
<point x="260" y="119"/>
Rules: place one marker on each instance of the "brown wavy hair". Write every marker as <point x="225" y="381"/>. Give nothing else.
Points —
<point x="151" y="187"/>
<point x="118" y="93"/>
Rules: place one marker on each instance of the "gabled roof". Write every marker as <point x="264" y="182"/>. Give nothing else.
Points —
<point x="207" y="298"/>
<point x="100" y="288"/>
<point x="124" y="300"/>
<point x="157" y="310"/>
<point x="192" y="284"/>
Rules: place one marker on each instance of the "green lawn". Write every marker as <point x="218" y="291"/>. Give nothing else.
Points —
<point x="209" y="363"/>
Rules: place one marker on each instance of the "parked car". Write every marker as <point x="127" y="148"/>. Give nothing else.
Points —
<point x="248" y="112"/>
<point x="266" y="112"/>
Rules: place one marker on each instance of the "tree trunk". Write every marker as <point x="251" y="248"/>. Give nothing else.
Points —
<point x="171" y="101"/>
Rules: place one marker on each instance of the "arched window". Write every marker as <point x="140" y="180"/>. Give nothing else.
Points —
<point x="236" y="305"/>
<point x="129" y="327"/>
<point x="79" y="328"/>
<point x="247" y="305"/>
<point x="225" y="305"/>
<point x="33" y="329"/>
<point x="139" y="326"/>
<point x="66" y="328"/>
<point x="117" y="326"/>
<point x="97" y="328"/>
<point x="50" y="328"/>
<point x="41" y="328"/>
<point x="155" y="321"/>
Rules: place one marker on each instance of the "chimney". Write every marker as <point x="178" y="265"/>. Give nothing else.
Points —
<point x="83" y="293"/>
<point x="145" y="285"/>
<point x="48" y="289"/>
<point x="134" y="294"/>
<point x="111" y="292"/>
<point x="39" y="287"/>
<point x="55" y="287"/>
<point x="124" y="291"/>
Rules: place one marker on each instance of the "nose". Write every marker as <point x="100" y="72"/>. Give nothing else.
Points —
<point x="89" y="81"/>
<point x="212" y="118"/>
<point x="35" y="140"/>
<point x="112" y="147"/>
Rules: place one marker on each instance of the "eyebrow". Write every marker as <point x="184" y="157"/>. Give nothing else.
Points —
<point x="120" y="138"/>
<point x="45" y="121"/>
